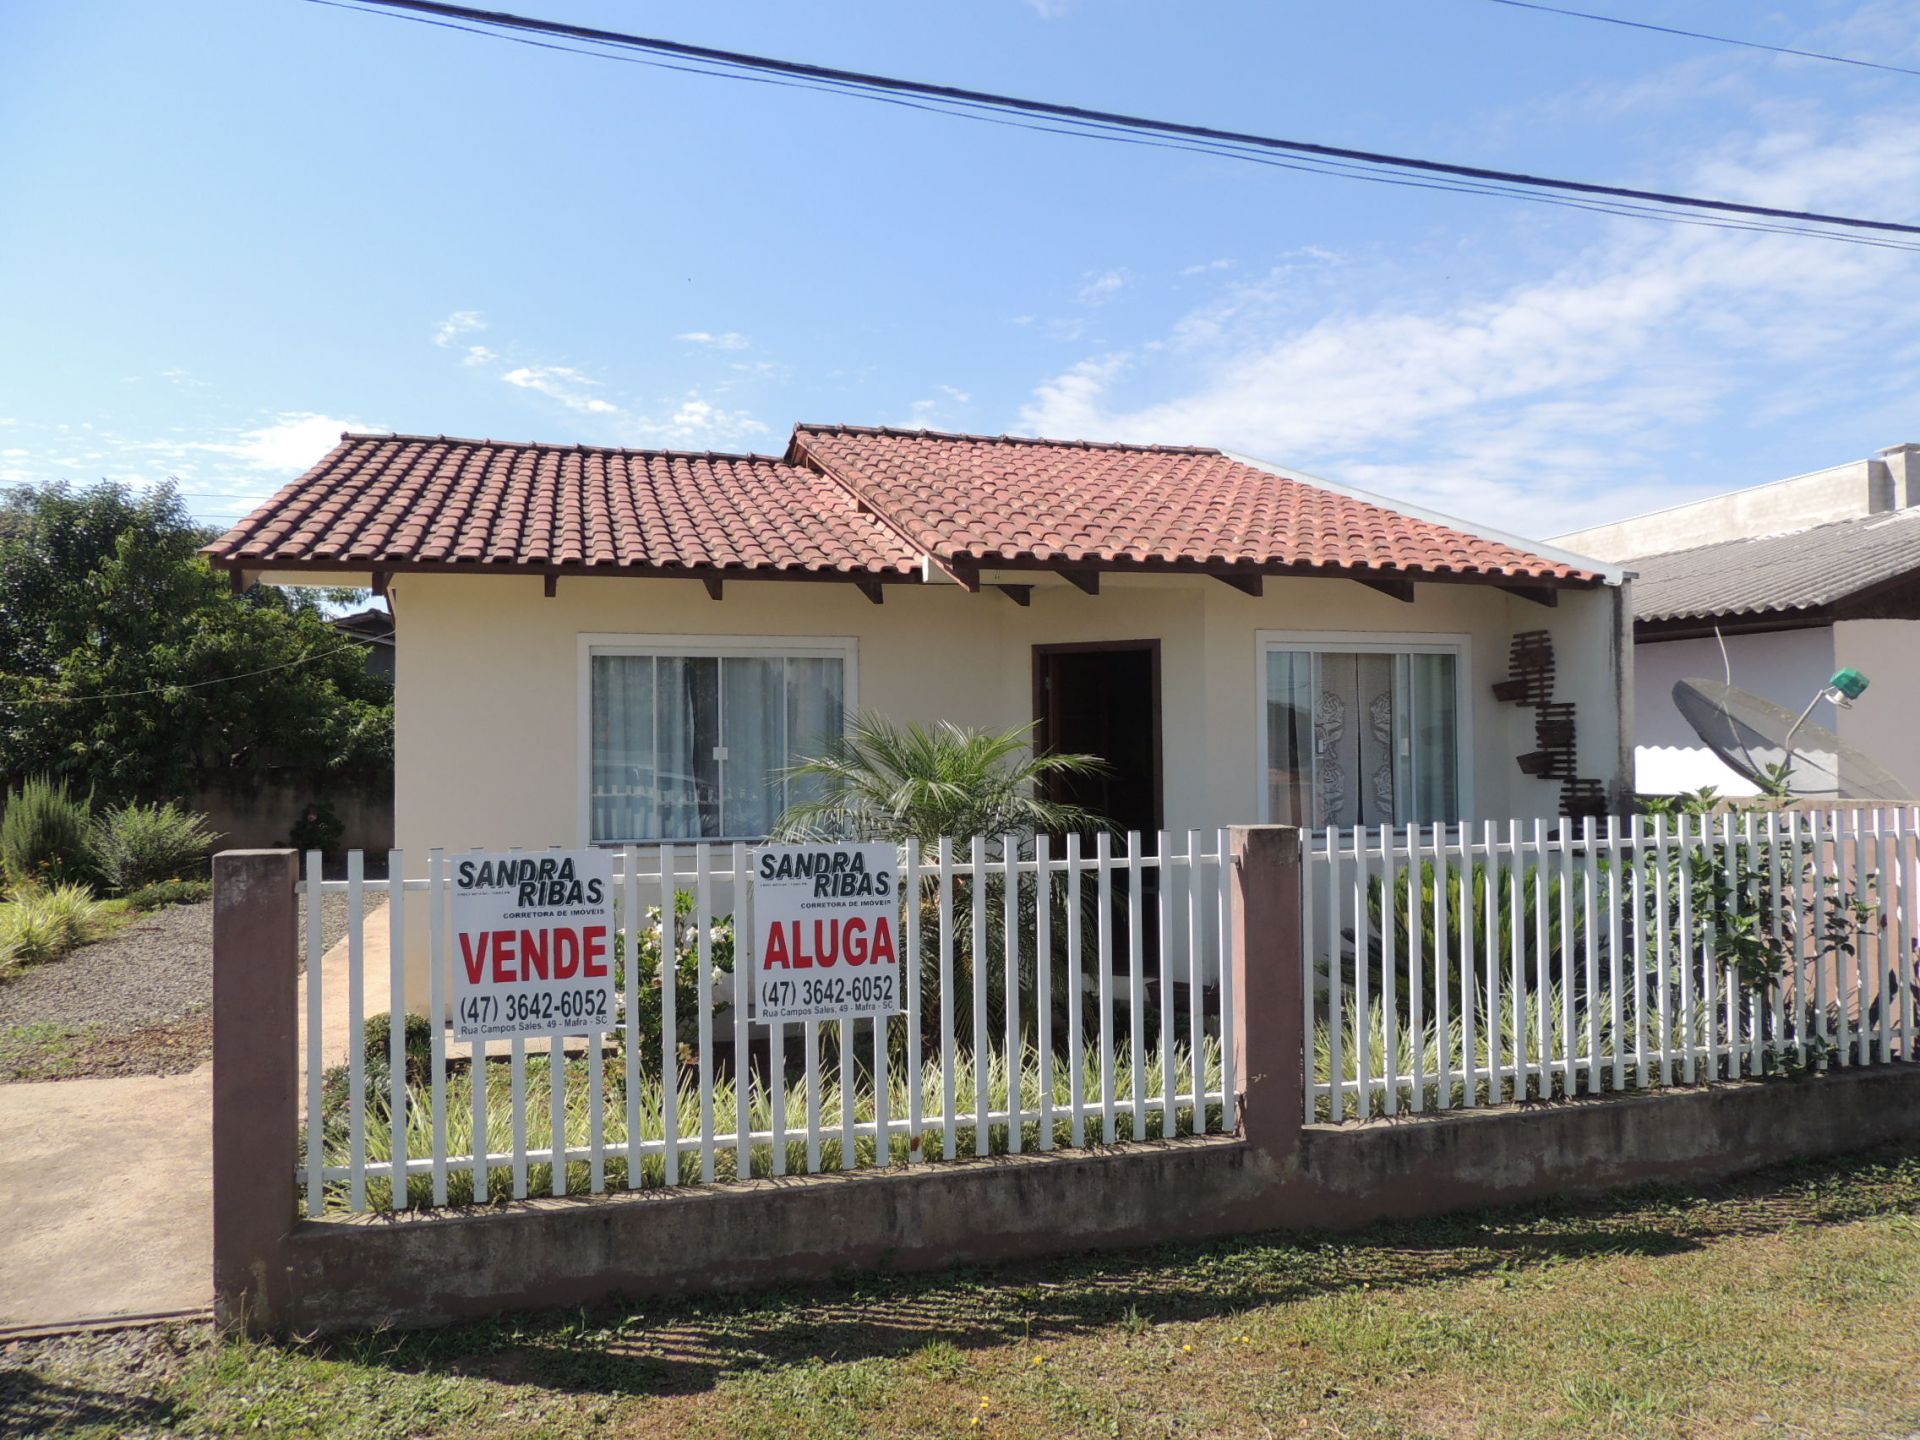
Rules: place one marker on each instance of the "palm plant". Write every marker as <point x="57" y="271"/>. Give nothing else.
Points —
<point x="884" y="781"/>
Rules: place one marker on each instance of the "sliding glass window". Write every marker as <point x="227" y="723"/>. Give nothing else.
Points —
<point x="1361" y="735"/>
<point x="689" y="746"/>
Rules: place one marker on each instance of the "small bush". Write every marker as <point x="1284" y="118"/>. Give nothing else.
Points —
<point x="135" y="846"/>
<point x="318" y="828"/>
<point x="42" y="924"/>
<point x="43" y="836"/>
<point x="376" y="1067"/>
<point x="169" y="892"/>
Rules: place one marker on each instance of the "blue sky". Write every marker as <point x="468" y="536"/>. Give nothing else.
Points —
<point x="230" y="230"/>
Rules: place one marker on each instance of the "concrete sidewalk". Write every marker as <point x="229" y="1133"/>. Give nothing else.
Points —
<point x="107" y="1192"/>
<point x="107" y="1185"/>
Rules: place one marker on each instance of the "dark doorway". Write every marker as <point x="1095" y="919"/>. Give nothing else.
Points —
<point x="1103" y="699"/>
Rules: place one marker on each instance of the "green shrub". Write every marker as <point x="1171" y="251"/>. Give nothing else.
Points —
<point x="139" y="845"/>
<point x="43" y="835"/>
<point x="41" y="924"/>
<point x="318" y="828"/>
<point x="376" y="1066"/>
<point x="169" y="892"/>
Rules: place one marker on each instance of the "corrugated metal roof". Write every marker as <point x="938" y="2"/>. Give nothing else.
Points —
<point x="1801" y="570"/>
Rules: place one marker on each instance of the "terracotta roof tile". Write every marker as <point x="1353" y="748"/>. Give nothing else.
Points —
<point x="1008" y="499"/>
<point x="846" y="500"/>
<point x="410" y="499"/>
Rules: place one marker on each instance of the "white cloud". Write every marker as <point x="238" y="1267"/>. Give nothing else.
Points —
<point x="460" y="322"/>
<point x="291" y="442"/>
<point x="936" y="412"/>
<point x="478" y="355"/>
<point x="1204" y="267"/>
<point x="1101" y="288"/>
<point x="725" y="340"/>
<point x="564" y="384"/>
<point x="1559" y="397"/>
<point x="697" y="422"/>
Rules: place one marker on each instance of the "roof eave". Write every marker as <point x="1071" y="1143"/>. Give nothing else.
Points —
<point x="1608" y="573"/>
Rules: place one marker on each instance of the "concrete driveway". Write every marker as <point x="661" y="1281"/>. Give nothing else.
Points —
<point x="106" y="1189"/>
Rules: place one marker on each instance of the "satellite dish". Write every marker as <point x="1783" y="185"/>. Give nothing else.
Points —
<point x="1752" y="735"/>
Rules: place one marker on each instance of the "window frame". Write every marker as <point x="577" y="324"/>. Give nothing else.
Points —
<point x="844" y="648"/>
<point x="1376" y="642"/>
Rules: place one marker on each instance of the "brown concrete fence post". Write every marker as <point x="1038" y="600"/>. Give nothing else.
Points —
<point x="1268" y="1033"/>
<point x="256" y="961"/>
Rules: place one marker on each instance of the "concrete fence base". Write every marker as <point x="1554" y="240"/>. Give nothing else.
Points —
<point x="273" y="1273"/>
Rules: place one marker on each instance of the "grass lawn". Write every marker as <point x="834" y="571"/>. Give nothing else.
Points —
<point x="1784" y="1305"/>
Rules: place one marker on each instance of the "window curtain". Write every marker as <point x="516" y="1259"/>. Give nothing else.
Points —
<point x="688" y="747"/>
<point x="1361" y="738"/>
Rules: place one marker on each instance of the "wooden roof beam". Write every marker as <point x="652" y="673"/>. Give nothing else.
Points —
<point x="1255" y="585"/>
<point x="1086" y="580"/>
<point x="1021" y="595"/>
<point x="1545" y="595"/>
<point x="1397" y="586"/>
<point x="714" y="586"/>
<point x="873" y="590"/>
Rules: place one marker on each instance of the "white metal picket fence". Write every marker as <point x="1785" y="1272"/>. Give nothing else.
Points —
<point x="1469" y="965"/>
<point x="1057" y="994"/>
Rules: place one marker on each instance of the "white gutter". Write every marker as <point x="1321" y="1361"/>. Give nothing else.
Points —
<point x="1611" y="573"/>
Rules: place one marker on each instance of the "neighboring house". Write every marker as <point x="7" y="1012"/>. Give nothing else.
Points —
<point x="374" y="629"/>
<point x="606" y="646"/>
<point x="1798" y="579"/>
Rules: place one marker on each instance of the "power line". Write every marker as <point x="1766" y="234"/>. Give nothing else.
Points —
<point x="1349" y="163"/>
<point x="1703" y="35"/>
<point x="189" y="685"/>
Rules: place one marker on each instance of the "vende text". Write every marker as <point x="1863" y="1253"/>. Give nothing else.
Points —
<point x="507" y="957"/>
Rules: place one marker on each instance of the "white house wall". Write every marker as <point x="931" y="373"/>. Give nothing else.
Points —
<point x="488" y="681"/>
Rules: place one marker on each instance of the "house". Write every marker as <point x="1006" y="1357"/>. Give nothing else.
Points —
<point x="373" y="628"/>
<point x="605" y="646"/>
<point x="1797" y="579"/>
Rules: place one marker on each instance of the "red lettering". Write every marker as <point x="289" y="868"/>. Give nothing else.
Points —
<point x="883" y="953"/>
<point x="856" y="941"/>
<point x="593" y="966"/>
<point x="503" y="958"/>
<point x="533" y="954"/>
<point x="566" y="954"/>
<point x="826" y="943"/>
<point x="801" y="959"/>
<point x="474" y="959"/>
<point x="776" y="949"/>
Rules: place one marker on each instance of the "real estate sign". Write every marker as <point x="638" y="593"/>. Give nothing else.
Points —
<point x="532" y="943"/>
<point x="826" y="922"/>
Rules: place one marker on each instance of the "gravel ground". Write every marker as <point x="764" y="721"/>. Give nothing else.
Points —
<point x="131" y="1004"/>
<point x="158" y="968"/>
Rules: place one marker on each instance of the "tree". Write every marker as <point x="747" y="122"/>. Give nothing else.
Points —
<point x="128" y="666"/>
